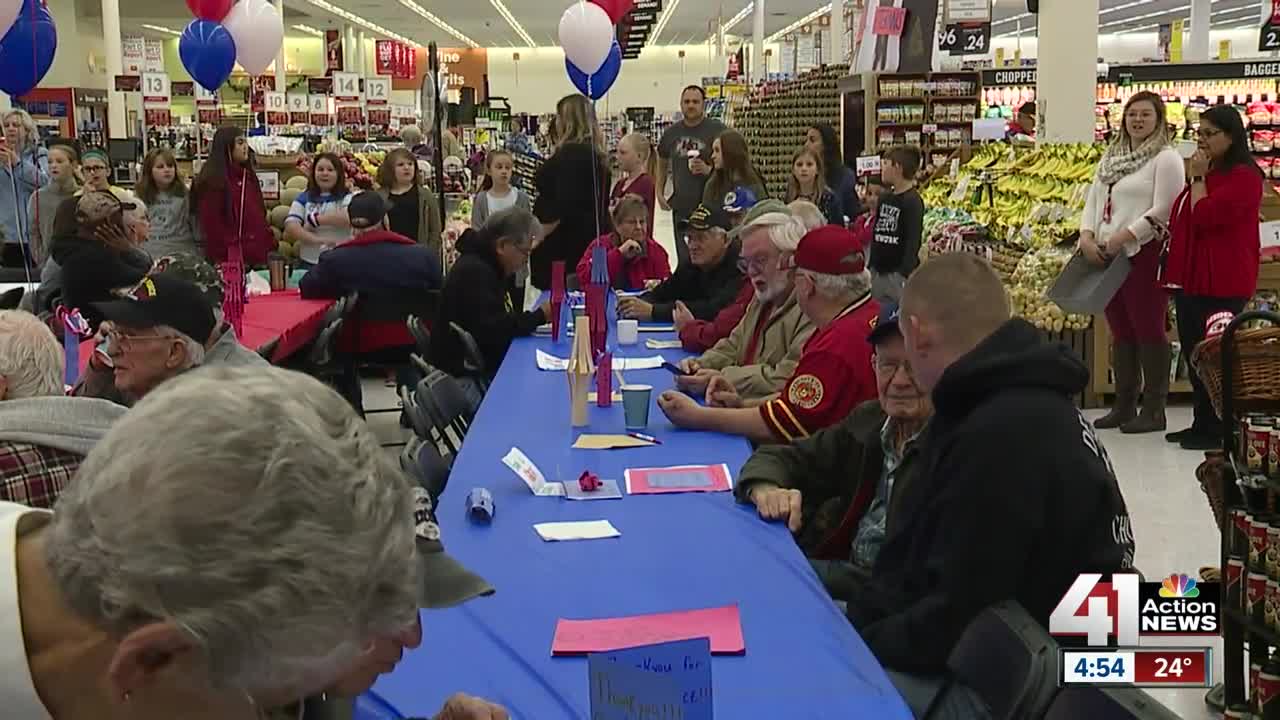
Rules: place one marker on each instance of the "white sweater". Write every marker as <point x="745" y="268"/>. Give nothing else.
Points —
<point x="1149" y="192"/>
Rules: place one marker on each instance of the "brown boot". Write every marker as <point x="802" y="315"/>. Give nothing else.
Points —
<point x="1124" y="361"/>
<point x="1155" y="369"/>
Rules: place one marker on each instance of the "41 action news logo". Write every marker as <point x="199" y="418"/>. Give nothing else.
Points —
<point x="1126" y="609"/>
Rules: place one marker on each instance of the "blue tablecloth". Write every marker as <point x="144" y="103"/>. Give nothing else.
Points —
<point x="677" y="552"/>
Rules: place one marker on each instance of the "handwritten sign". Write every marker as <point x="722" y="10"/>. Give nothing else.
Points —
<point x="723" y="625"/>
<point x="889" y="21"/>
<point x="669" y="680"/>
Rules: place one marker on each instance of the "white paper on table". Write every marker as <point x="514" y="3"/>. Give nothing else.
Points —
<point x="581" y="530"/>
<point x="649" y="363"/>
<point x="521" y="465"/>
<point x="662" y="344"/>
<point x="547" y="361"/>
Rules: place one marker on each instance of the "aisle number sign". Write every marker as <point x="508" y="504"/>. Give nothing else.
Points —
<point x="377" y="91"/>
<point x="297" y="103"/>
<point x="318" y="105"/>
<point x="275" y="102"/>
<point x="155" y="89"/>
<point x="346" y="87"/>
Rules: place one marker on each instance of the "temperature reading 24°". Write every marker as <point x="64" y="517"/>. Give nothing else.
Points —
<point x="1167" y="667"/>
<point x="1185" y="667"/>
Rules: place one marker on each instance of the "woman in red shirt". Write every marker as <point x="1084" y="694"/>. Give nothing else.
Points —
<point x="1212" y="263"/>
<point x="636" y="261"/>
<point x="227" y="201"/>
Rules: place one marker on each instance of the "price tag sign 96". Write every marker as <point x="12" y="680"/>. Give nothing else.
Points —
<point x="966" y="39"/>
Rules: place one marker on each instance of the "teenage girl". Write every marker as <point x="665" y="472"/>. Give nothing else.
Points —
<point x="318" y="217"/>
<point x="164" y="190"/>
<point x="639" y="165"/>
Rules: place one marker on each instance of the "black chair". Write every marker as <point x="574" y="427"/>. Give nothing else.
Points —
<point x="1100" y="703"/>
<point x="447" y="408"/>
<point x="422" y="461"/>
<point x="472" y="359"/>
<point x="323" y="360"/>
<point x="416" y="415"/>
<point x="1009" y="660"/>
<point x="421" y="335"/>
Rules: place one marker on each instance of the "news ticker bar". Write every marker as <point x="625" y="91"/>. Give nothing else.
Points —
<point x="1138" y="667"/>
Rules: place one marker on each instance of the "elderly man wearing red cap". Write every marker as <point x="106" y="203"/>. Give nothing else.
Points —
<point x="833" y="288"/>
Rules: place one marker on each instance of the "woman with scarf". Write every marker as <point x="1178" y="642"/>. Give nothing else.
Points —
<point x="1127" y="212"/>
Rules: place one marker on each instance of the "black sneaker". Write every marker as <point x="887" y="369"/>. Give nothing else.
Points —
<point x="1202" y="441"/>
<point x="1176" y="437"/>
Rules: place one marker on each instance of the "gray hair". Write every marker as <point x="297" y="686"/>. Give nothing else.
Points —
<point x="513" y="224"/>
<point x="137" y="214"/>
<point x="808" y="214"/>
<point x="840" y="287"/>
<point x="31" y="360"/>
<point x="411" y="135"/>
<point x="784" y="230"/>
<point x="264" y="521"/>
<point x="195" y="349"/>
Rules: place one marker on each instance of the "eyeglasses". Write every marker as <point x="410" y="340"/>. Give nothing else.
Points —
<point x="887" y="368"/>
<point x="755" y="265"/>
<point x="94" y="168"/>
<point x="125" y="342"/>
<point x="1206" y="133"/>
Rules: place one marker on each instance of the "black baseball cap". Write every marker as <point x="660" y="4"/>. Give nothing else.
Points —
<point x="705" y="218"/>
<point x="886" y="324"/>
<point x="163" y="300"/>
<point x="366" y="210"/>
<point x="445" y="582"/>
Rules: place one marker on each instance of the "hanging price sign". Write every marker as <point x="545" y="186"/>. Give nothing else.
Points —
<point x="155" y="90"/>
<point x="377" y="91"/>
<point x="346" y="87"/>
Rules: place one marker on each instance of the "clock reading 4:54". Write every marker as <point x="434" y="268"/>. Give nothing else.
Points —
<point x="1101" y="667"/>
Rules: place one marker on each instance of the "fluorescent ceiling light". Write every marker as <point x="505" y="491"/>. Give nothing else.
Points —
<point x="1215" y="17"/>
<point x="309" y="30"/>
<point x="161" y="29"/>
<point x="742" y="14"/>
<point x="436" y="21"/>
<point x="515" y="24"/>
<point x="799" y="23"/>
<point x="346" y="15"/>
<point x="661" y="25"/>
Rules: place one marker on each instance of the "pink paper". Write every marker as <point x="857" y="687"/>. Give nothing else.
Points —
<point x="685" y="478"/>
<point x="722" y="624"/>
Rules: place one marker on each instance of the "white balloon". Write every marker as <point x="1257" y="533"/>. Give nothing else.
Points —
<point x="586" y="34"/>
<point x="257" y="29"/>
<point x="9" y="10"/>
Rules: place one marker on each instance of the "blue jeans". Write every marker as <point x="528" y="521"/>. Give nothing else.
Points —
<point x="948" y="700"/>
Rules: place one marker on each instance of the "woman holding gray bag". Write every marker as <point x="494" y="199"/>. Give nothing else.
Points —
<point x="1127" y="211"/>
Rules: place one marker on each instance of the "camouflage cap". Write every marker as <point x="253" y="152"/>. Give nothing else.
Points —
<point x="99" y="205"/>
<point x="197" y="271"/>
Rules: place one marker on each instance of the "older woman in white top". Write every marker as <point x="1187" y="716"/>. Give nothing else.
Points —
<point x="1127" y="212"/>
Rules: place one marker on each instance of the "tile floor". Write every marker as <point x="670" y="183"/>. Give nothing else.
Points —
<point x="1172" y="523"/>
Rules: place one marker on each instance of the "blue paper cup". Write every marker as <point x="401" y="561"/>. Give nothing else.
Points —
<point x="635" y="405"/>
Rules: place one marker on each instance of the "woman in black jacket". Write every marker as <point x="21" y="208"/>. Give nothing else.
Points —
<point x="475" y="296"/>
<point x="566" y="185"/>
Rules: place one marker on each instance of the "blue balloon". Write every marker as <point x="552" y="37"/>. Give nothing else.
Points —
<point x="26" y="51"/>
<point x="208" y="52"/>
<point x="597" y="84"/>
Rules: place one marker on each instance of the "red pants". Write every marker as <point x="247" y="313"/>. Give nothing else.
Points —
<point x="1137" y="312"/>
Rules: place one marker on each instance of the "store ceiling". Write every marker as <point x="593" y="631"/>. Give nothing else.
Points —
<point x="690" y="21"/>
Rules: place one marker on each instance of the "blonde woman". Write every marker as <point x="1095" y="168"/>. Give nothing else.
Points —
<point x="1127" y="213"/>
<point x="24" y="168"/>
<point x="573" y="191"/>
<point x="639" y="164"/>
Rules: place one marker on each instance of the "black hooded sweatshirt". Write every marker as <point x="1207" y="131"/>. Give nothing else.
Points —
<point x="475" y="296"/>
<point x="1015" y="498"/>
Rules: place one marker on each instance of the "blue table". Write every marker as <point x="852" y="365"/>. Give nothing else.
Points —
<point x="677" y="552"/>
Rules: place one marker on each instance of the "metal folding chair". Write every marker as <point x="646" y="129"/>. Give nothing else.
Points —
<point x="472" y="358"/>
<point x="1009" y="660"/>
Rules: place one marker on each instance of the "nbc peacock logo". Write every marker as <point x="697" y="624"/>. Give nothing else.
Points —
<point x="1179" y="586"/>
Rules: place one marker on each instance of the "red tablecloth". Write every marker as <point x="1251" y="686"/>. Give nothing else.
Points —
<point x="281" y="317"/>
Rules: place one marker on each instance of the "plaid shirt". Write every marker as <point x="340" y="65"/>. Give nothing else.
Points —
<point x="34" y="475"/>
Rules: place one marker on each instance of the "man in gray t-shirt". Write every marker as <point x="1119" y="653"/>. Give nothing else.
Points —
<point x="694" y="133"/>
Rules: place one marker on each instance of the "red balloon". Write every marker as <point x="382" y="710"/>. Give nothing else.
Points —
<point x="213" y="10"/>
<point x="617" y="9"/>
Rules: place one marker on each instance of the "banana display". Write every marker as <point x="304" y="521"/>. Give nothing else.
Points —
<point x="1029" y="201"/>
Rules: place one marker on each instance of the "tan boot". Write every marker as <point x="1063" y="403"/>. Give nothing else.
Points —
<point x="1124" y="361"/>
<point x="1155" y="370"/>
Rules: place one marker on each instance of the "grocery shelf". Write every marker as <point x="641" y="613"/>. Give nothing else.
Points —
<point x="909" y="98"/>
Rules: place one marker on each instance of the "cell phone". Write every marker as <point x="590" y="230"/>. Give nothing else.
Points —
<point x="674" y="370"/>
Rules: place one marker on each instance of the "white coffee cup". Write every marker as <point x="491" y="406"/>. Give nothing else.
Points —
<point x="628" y="332"/>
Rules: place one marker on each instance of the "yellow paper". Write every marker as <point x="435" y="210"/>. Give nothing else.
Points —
<point x="999" y="57"/>
<point x="1175" y="42"/>
<point x="593" y="397"/>
<point x="588" y="441"/>
<point x="1224" y="49"/>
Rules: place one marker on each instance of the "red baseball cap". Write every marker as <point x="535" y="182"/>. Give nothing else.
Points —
<point x="831" y="250"/>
